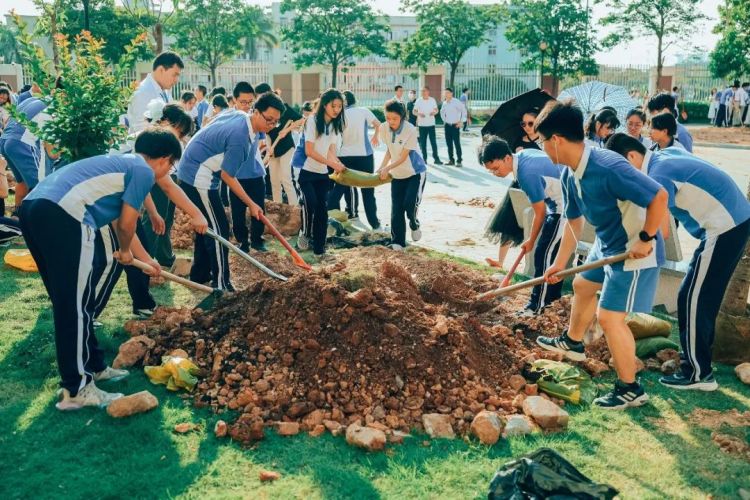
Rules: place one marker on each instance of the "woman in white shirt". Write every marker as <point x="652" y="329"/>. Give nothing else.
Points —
<point x="635" y="121"/>
<point x="323" y="133"/>
<point x="405" y="165"/>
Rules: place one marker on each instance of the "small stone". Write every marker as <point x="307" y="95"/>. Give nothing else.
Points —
<point x="517" y="425"/>
<point x="743" y="372"/>
<point x="287" y="428"/>
<point x="667" y="354"/>
<point x="516" y="382"/>
<point x="220" y="429"/>
<point x="595" y="367"/>
<point x="184" y="427"/>
<point x="179" y="353"/>
<point x="669" y="367"/>
<point x="333" y="427"/>
<point x="318" y="430"/>
<point x="487" y="427"/>
<point x="518" y="401"/>
<point x="360" y="298"/>
<point x="438" y="426"/>
<point x="267" y="475"/>
<point x="365" y="437"/>
<point x="132" y="351"/>
<point x="130" y="405"/>
<point x="531" y="389"/>
<point x="545" y="413"/>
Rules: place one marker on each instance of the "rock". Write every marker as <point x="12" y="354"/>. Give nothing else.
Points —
<point x="360" y="298"/>
<point x="267" y="475"/>
<point x="518" y="401"/>
<point x="441" y="326"/>
<point x="595" y="367"/>
<point x="653" y="364"/>
<point x="318" y="430"/>
<point x="743" y="372"/>
<point x="314" y="418"/>
<point x="130" y="405"/>
<point x="667" y="354"/>
<point x="517" y="425"/>
<point x="669" y="367"/>
<point x="135" y="327"/>
<point x="333" y="427"/>
<point x="182" y="266"/>
<point x="132" y="351"/>
<point x="221" y="429"/>
<point x="247" y="429"/>
<point x="531" y="389"/>
<point x="487" y="427"/>
<point x="545" y="413"/>
<point x="437" y="425"/>
<point x="516" y="382"/>
<point x="365" y="437"/>
<point x="287" y="428"/>
<point x="184" y="427"/>
<point x="179" y="353"/>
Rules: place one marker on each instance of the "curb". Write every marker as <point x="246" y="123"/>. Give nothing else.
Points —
<point x="721" y="145"/>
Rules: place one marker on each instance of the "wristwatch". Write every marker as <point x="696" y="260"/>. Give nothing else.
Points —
<point x="645" y="237"/>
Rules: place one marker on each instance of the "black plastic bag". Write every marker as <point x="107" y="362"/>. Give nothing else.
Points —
<point x="545" y="474"/>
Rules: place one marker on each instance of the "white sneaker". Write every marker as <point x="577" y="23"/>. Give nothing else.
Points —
<point x="397" y="248"/>
<point x="416" y="234"/>
<point x="110" y="373"/>
<point x="90" y="395"/>
<point x="303" y="242"/>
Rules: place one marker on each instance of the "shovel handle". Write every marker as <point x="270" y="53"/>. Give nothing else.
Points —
<point x="173" y="277"/>
<point x="297" y="258"/>
<point x="562" y="274"/>
<point x="210" y="232"/>
<point x="512" y="271"/>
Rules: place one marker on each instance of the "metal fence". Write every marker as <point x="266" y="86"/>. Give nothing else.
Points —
<point x="373" y="82"/>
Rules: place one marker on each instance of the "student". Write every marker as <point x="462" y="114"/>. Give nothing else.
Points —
<point x="323" y="131"/>
<point x="158" y="84"/>
<point x="211" y="110"/>
<point x="713" y="105"/>
<point x="539" y="179"/>
<point x="601" y="125"/>
<point x="426" y="108"/>
<point x="188" y="101"/>
<point x="219" y="105"/>
<point x="410" y="107"/>
<point x="59" y="221"/>
<point x="635" y="121"/>
<point x="725" y="96"/>
<point x="5" y="105"/>
<point x="739" y="105"/>
<point x="408" y="170"/>
<point x="399" y="94"/>
<point x="663" y="131"/>
<point x="201" y="106"/>
<point x="464" y="98"/>
<point x="713" y="210"/>
<point x="9" y="227"/>
<point x="215" y="154"/>
<point x="664" y="103"/>
<point x="453" y="113"/>
<point x="595" y="184"/>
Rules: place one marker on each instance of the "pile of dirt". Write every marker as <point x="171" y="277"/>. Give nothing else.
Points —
<point x="182" y="232"/>
<point x="377" y="338"/>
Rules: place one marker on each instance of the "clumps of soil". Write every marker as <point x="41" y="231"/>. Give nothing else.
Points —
<point x="182" y="231"/>
<point x="479" y="202"/>
<point x="378" y="338"/>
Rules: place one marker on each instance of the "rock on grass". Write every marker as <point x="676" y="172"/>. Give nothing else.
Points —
<point x="438" y="426"/>
<point x="487" y="427"/>
<point x="365" y="437"/>
<point x="545" y="413"/>
<point x="130" y="405"/>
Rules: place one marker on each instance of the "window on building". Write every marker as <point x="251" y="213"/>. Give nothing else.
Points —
<point x="492" y="50"/>
<point x="491" y="69"/>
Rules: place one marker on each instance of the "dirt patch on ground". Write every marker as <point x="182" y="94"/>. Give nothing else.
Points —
<point x="714" y="419"/>
<point x="724" y="135"/>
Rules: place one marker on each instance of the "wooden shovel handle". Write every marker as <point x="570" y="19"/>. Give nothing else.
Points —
<point x="297" y="258"/>
<point x="512" y="271"/>
<point x="173" y="277"/>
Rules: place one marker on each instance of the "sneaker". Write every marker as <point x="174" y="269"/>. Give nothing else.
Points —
<point x="98" y="324"/>
<point x="303" y="242"/>
<point x="569" y="348"/>
<point x="143" y="313"/>
<point x="112" y="374"/>
<point x="622" y="396"/>
<point x="397" y="248"/>
<point x="90" y="395"/>
<point x="680" y="381"/>
<point x="416" y="234"/>
<point x="259" y="247"/>
<point x="525" y="313"/>
<point x="245" y="247"/>
<point x="450" y="163"/>
<point x="459" y="165"/>
<point x="438" y="162"/>
<point x="322" y="258"/>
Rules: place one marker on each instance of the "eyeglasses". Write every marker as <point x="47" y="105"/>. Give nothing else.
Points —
<point x="527" y="124"/>
<point x="270" y="121"/>
<point x="637" y="124"/>
<point x="245" y="102"/>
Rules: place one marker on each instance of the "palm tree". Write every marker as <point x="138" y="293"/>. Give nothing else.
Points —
<point x="9" y="44"/>
<point x="260" y="31"/>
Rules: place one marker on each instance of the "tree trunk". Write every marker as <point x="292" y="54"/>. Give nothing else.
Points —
<point x="52" y="33"/>
<point x="158" y="34"/>
<point x="334" y="73"/>
<point x="86" y="5"/>
<point x="213" y="75"/>
<point x="659" y="63"/>
<point x="732" y="344"/>
<point x="555" y="78"/>
<point x="454" y="68"/>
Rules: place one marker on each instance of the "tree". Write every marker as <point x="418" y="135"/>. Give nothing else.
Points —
<point x="669" y="21"/>
<point x="86" y="112"/>
<point x="211" y="30"/>
<point x="9" y="44"/>
<point x="447" y="30"/>
<point x="50" y="23"/>
<point x="731" y="57"/>
<point x="553" y="36"/>
<point x="263" y="32"/>
<point x="151" y="15"/>
<point x="332" y="32"/>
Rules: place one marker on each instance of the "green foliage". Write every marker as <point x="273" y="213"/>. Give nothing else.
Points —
<point x="447" y="30"/>
<point x="8" y="44"/>
<point x="85" y="114"/>
<point x="332" y="32"/>
<point x="697" y="111"/>
<point x="731" y="57"/>
<point x="210" y="31"/>
<point x="565" y="29"/>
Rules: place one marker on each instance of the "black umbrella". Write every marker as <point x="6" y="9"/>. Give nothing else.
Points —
<point x="505" y="122"/>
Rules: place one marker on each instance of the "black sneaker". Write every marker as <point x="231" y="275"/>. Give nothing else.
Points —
<point x="681" y="382"/>
<point x="259" y="247"/>
<point x="245" y="247"/>
<point x="451" y="163"/>
<point x="569" y="348"/>
<point x="622" y="396"/>
<point x="438" y="162"/>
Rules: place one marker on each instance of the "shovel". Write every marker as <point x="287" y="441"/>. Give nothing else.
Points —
<point x="498" y="292"/>
<point x="205" y="304"/>
<point x="297" y="258"/>
<point x="512" y="271"/>
<point x="235" y="249"/>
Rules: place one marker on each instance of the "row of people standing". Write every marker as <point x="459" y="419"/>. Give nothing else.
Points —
<point x="729" y="107"/>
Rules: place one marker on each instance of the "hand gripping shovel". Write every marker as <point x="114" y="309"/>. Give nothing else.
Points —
<point x="226" y="243"/>
<point x="205" y="304"/>
<point x="562" y="274"/>
<point x="297" y="258"/>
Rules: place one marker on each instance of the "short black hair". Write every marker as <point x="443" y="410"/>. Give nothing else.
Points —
<point x="465" y="89"/>
<point x="395" y="89"/>
<point x="607" y="116"/>
<point x="176" y="116"/>
<point x="560" y="118"/>
<point x="269" y="100"/>
<point x="155" y="143"/>
<point x="449" y="89"/>
<point x="5" y="90"/>
<point x="349" y="98"/>
<point x="623" y="144"/>
<point x="262" y="88"/>
<point x="218" y="91"/>
<point x="187" y="96"/>
<point x="167" y="60"/>
<point x="661" y="101"/>
<point x="23" y="89"/>
<point x="307" y="106"/>
<point x="674" y="89"/>
<point x="395" y="106"/>
<point x="665" y="121"/>
<point x="219" y="101"/>
<point x="203" y="89"/>
<point x="493" y="148"/>
<point x="242" y="88"/>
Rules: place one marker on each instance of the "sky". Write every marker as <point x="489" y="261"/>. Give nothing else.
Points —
<point x="640" y="52"/>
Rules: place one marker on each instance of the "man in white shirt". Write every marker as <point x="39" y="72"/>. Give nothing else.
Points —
<point x="399" y="96"/>
<point x="738" y="106"/>
<point x="453" y="114"/>
<point x="426" y="108"/>
<point x="157" y="85"/>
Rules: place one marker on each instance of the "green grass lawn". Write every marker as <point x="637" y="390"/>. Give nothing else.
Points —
<point x="652" y="452"/>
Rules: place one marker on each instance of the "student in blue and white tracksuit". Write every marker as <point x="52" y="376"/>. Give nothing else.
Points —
<point x="408" y="169"/>
<point x="627" y="209"/>
<point x="251" y="176"/>
<point x="539" y="178"/>
<point x="216" y="154"/>
<point x="60" y="219"/>
<point x="712" y="209"/>
<point x="664" y="103"/>
<point x="356" y="153"/>
<point x="322" y="136"/>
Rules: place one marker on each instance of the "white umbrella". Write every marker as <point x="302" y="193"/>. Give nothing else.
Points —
<point x="593" y="96"/>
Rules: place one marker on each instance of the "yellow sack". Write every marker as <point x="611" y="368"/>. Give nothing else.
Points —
<point x="175" y="372"/>
<point x="21" y="259"/>
<point x="644" y="326"/>
<point x="354" y="178"/>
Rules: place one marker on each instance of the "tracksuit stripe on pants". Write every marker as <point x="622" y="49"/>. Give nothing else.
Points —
<point x="545" y="253"/>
